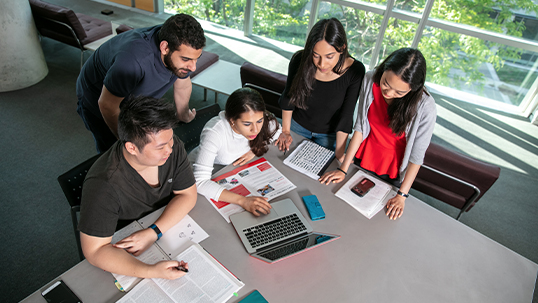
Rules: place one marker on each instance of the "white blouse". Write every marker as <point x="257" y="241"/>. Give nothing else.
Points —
<point x="219" y="144"/>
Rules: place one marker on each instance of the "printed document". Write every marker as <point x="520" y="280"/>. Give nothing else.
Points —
<point x="258" y="178"/>
<point x="206" y="281"/>
<point x="371" y="203"/>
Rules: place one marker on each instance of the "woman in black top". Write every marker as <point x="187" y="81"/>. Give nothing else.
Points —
<point x="322" y="89"/>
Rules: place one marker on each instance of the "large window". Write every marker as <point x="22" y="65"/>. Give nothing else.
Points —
<point x="476" y="46"/>
<point x="229" y="13"/>
<point x="285" y="21"/>
<point x="362" y="28"/>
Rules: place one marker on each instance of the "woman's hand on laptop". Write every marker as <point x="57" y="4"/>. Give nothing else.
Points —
<point x="256" y="205"/>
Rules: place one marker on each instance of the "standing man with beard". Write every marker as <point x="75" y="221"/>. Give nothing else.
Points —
<point x="146" y="61"/>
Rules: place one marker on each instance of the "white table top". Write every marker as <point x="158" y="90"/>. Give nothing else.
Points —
<point x="222" y="77"/>
<point x="425" y="256"/>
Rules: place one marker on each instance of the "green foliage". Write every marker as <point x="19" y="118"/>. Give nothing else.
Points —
<point x="451" y="57"/>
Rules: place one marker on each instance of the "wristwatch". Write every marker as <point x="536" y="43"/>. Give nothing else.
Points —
<point x="402" y="194"/>
<point x="157" y="230"/>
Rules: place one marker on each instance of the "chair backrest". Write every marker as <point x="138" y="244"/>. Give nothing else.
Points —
<point x="268" y="83"/>
<point x="57" y="22"/>
<point x="454" y="178"/>
<point x="190" y="132"/>
<point x="71" y="181"/>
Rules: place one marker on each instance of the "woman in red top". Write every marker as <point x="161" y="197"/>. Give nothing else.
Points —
<point x="396" y="116"/>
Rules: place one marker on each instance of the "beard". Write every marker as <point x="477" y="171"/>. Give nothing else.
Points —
<point x="179" y="72"/>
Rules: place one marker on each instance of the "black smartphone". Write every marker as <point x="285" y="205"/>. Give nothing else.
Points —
<point x="363" y="187"/>
<point x="59" y="292"/>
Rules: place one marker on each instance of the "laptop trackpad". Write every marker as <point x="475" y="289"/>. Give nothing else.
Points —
<point x="270" y="216"/>
<point x="251" y="220"/>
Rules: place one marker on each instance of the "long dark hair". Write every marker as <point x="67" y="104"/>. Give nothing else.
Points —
<point x="247" y="99"/>
<point x="409" y="64"/>
<point x="331" y="31"/>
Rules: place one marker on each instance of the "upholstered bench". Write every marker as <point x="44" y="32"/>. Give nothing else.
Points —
<point x="454" y="178"/>
<point x="62" y="24"/>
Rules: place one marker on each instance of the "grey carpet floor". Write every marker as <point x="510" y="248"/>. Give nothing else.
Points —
<point x="42" y="136"/>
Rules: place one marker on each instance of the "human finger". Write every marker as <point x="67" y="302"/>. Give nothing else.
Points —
<point x="264" y="206"/>
<point x="184" y="264"/>
<point x="238" y="162"/>
<point x="123" y="244"/>
<point x="394" y="211"/>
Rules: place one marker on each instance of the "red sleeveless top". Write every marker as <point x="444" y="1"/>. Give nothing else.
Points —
<point x="382" y="151"/>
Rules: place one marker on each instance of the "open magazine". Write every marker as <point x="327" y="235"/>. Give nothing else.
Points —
<point x="168" y="246"/>
<point x="372" y="202"/>
<point x="258" y="178"/>
<point x="206" y="281"/>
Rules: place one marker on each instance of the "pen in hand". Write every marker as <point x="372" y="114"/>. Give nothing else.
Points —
<point x="182" y="269"/>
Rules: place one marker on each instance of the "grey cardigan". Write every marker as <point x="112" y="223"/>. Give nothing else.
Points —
<point x="418" y="133"/>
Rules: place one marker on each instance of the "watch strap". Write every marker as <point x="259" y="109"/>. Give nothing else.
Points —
<point x="157" y="231"/>
<point x="402" y="194"/>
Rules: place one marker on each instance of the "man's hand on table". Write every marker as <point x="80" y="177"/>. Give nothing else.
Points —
<point x="138" y="242"/>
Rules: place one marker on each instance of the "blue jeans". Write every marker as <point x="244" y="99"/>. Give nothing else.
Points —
<point x="326" y="140"/>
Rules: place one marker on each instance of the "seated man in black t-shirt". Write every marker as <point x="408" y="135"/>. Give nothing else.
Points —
<point x="144" y="170"/>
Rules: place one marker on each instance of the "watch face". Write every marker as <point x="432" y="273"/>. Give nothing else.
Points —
<point x="156" y="229"/>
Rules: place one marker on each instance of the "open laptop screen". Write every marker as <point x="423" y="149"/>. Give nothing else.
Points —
<point x="293" y="247"/>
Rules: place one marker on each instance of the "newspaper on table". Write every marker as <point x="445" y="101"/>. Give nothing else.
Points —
<point x="258" y="178"/>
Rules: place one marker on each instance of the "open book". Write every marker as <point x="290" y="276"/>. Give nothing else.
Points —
<point x="206" y="281"/>
<point x="371" y="203"/>
<point x="168" y="246"/>
<point x="257" y="178"/>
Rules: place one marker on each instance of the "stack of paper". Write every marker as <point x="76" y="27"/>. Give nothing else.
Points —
<point x="371" y="203"/>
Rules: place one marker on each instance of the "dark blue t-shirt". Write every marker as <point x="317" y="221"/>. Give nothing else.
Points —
<point x="128" y="64"/>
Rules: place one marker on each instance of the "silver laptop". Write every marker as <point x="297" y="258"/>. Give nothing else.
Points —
<point x="278" y="235"/>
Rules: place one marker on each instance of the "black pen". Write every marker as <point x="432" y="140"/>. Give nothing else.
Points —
<point x="182" y="268"/>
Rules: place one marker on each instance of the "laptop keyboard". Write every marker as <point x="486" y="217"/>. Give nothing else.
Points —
<point x="286" y="250"/>
<point x="312" y="157"/>
<point x="274" y="230"/>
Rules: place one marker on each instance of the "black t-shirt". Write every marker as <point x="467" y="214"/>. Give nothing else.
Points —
<point x="331" y="104"/>
<point x="113" y="190"/>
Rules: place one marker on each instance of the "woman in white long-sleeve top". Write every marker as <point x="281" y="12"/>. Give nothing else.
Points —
<point x="240" y="132"/>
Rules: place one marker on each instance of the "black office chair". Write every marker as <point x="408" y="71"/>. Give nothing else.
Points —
<point x="190" y="132"/>
<point x="71" y="183"/>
